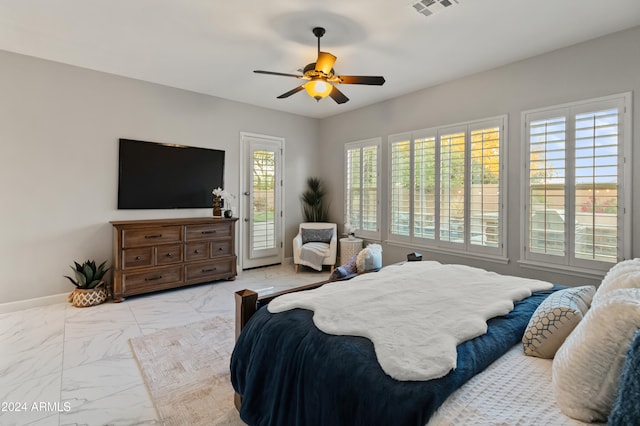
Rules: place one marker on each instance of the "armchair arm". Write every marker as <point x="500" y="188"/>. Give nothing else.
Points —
<point x="297" y="245"/>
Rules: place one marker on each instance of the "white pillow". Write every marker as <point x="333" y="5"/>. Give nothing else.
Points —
<point x="625" y="274"/>
<point x="369" y="258"/>
<point x="586" y="368"/>
<point x="554" y="319"/>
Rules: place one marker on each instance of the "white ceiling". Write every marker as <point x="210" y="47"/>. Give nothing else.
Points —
<point x="212" y="46"/>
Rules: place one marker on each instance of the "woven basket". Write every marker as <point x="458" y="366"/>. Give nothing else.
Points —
<point x="82" y="298"/>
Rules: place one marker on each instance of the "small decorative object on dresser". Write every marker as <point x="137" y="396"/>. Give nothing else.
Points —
<point x="219" y="195"/>
<point x="90" y="288"/>
<point x="152" y="255"/>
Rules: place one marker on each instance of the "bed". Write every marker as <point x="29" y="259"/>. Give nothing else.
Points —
<point x="286" y="371"/>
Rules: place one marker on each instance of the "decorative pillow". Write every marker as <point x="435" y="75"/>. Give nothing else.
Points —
<point x="344" y="270"/>
<point x="369" y="258"/>
<point x="316" y="235"/>
<point x="555" y="319"/>
<point x="586" y="369"/>
<point x="626" y="410"/>
<point x="625" y="274"/>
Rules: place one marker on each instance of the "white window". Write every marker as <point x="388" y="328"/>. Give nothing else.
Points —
<point x="576" y="183"/>
<point x="445" y="187"/>
<point x="362" y="187"/>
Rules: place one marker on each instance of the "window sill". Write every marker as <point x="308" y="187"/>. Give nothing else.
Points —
<point x="564" y="269"/>
<point x="469" y="255"/>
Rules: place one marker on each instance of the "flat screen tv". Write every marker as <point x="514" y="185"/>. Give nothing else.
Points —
<point x="166" y="176"/>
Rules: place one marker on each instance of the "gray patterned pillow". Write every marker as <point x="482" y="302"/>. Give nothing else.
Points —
<point x="555" y="319"/>
<point x="316" y="235"/>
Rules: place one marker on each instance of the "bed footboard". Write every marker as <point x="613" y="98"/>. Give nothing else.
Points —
<point x="248" y="302"/>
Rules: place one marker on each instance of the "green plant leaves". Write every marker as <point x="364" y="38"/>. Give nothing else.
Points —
<point x="88" y="275"/>
<point x="314" y="208"/>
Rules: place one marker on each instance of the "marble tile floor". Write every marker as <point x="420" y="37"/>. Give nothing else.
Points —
<point x="61" y="365"/>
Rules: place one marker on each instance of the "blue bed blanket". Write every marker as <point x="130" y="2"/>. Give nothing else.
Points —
<point x="290" y="373"/>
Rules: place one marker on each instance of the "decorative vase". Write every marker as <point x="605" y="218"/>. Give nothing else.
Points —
<point x="217" y="207"/>
<point x="228" y="213"/>
<point x="84" y="297"/>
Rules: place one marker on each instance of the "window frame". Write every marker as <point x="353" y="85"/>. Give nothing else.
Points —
<point x="570" y="262"/>
<point x="465" y="248"/>
<point x="360" y="145"/>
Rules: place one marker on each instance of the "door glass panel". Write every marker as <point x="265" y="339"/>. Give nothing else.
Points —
<point x="263" y="235"/>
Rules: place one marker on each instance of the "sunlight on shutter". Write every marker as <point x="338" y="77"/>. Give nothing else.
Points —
<point x="400" y="187"/>
<point x="547" y="164"/>
<point x="353" y="187"/>
<point x="424" y="196"/>
<point x="485" y="187"/>
<point x="370" y="188"/>
<point x="596" y="196"/>
<point x="452" y="201"/>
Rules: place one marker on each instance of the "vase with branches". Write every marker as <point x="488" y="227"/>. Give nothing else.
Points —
<point x="314" y="207"/>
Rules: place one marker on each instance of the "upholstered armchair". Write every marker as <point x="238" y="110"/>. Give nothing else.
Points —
<point x="316" y="245"/>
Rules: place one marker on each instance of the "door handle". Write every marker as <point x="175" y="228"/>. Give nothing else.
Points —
<point x="246" y="220"/>
<point x="247" y="193"/>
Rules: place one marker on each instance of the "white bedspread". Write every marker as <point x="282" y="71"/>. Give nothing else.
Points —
<point x="415" y="313"/>
<point x="515" y="390"/>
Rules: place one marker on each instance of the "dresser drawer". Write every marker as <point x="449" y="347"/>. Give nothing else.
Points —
<point x="197" y="251"/>
<point x="220" y="248"/>
<point x="134" y="282"/>
<point x="167" y="254"/>
<point x="137" y="257"/>
<point x="151" y="236"/>
<point x="210" y="269"/>
<point x="208" y="231"/>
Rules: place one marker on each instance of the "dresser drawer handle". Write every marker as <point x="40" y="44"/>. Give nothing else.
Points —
<point x="138" y="258"/>
<point x="196" y="251"/>
<point x="153" y="278"/>
<point x="209" y="232"/>
<point x="220" y="248"/>
<point x="209" y="270"/>
<point x="169" y="254"/>
<point x="153" y="236"/>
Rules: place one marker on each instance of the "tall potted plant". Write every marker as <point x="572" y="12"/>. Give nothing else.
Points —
<point x="314" y="207"/>
<point x="90" y="288"/>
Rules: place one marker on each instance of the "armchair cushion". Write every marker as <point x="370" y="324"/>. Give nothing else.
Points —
<point x="316" y="235"/>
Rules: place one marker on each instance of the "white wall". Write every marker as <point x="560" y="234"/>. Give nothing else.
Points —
<point x="59" y="131"/>
<point x="600" y="67"/>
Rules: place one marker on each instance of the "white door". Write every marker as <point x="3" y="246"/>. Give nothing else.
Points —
<point x="262" y="200"/>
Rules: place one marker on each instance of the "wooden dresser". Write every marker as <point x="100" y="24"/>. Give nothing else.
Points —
<point x="158" y="254"/>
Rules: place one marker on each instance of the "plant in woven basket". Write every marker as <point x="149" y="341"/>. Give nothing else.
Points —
<point x="90" y="287"/>
<point x="88" y="275"/>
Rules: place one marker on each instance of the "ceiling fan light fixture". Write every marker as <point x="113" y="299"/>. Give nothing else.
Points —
<point x="318" y="88"/>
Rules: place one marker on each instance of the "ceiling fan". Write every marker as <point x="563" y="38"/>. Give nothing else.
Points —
<point x="322" y="78"/>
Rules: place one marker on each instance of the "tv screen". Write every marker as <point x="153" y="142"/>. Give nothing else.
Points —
<point x="166" y="176"/>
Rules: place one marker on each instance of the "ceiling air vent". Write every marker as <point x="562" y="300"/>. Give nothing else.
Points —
<point x="428" y="7"/>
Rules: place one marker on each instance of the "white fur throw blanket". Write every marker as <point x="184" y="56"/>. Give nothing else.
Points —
<point x="415" y="313"/>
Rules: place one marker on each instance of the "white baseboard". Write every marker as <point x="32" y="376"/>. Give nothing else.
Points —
<point x="20" y="305"/>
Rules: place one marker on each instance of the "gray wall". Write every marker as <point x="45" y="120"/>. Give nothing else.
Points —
<point x="596" y="68"/>
<point x="59" y="131"/>
<point x="60" y="125"/>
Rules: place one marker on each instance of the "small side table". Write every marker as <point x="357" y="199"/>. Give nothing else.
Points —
<point x="349" y="247"/>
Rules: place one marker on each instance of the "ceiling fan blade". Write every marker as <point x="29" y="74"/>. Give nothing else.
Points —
<point x="362" y="79"/>
<point x="325" y="62"/>
<point x="277" y="73"/>
<point x="291" y="92"/>
<point x="338" y="96"/>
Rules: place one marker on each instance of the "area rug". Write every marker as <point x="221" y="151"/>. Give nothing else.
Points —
<point x="186" y="370"/>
